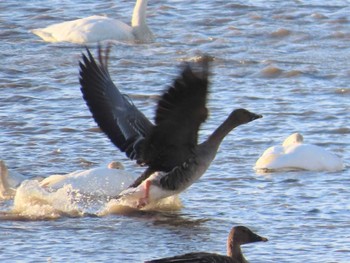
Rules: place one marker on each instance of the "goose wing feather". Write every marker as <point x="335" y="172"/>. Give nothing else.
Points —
<point x="180" y="112"/>
<point x="114" y="112"/>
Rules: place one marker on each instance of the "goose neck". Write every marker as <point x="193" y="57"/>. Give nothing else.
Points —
<point x="220" y="133"/>
<point x="234" y="251"/>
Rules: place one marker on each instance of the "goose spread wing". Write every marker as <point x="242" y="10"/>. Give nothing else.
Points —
<point x="180" y="112"/>
<point x="114" y="112"/>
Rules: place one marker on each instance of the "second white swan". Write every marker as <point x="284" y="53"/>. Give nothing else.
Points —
<point x="293" y="154"/>
<point x="99" y="28"/>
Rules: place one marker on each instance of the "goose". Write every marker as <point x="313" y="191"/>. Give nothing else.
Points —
<point x="168" y="148"/>
<point x="239" y="235"/>
<point x="101" y="181"/>
<point x="99" y="28"/>
<point x="293" y="154"/>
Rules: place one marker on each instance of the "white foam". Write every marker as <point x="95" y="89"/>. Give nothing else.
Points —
<point x="33" y="201"/>
<point x="125" y="206"/>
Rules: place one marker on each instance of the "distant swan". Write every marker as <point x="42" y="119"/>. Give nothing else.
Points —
<point x="99" y="28"/>
<point x="293" y="154"/>
<point x="239" y="235"/>
<point x="169" y="148"/>
<point x="101" y="181"/>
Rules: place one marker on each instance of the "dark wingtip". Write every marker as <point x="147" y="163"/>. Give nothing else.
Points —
<point x="88" y="54"/>
<point x="103" y="56"/>
<point x="200" y="66"/>
<point x="87" y="59"/>
<point x="206" y="59"/>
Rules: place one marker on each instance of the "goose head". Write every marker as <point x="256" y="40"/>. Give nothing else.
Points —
<point x="241" y="235"/>
<point x="242" y="116"/>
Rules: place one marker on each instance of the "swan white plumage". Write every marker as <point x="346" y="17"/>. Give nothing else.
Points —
<point x="9" y="179"/>
<point x="101" y="181"/>
<point x="293" y="154"/>
<point x="99" y="28"/>
<point x="74" y="194"/>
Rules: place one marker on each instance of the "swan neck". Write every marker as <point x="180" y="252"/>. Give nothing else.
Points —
<point x="139" y="14"/>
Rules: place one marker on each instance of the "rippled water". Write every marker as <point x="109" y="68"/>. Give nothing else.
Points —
<point x="287" y="60"/>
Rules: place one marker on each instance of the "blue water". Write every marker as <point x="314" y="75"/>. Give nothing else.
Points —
<point x="286" y="60"/>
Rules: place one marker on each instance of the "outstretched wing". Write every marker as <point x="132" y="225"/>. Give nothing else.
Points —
<point x="114" y="112"/>
<point x="180" y="112"/>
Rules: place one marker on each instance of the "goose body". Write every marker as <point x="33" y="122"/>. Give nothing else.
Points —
<point x="238" y="236"/>
<point x="168" y="148"/>
<point x="99" y="28"/>
<point x="293" y="154"/>
<point x="160" y="185"/>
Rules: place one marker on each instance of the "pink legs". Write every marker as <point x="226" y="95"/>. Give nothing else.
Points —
<point x="144" y="200"/>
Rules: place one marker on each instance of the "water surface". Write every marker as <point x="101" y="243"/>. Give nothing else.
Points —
<point x="288" y="61"/>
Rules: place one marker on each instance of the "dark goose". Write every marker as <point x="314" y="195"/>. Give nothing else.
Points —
<point x="168" y="148"/>
<point x="239" y="235"/>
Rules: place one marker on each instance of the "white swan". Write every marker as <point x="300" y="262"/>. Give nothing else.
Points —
<point x="101" y="181"/>
<point x="99" y="28"/>
<point x="293" y="154"/>
<point x="76" y="193"/>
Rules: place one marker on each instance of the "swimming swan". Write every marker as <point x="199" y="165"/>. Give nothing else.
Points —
<point x="293" y="154"/>
<point x="169" y="148"/>
<point x="239" y="235"/>
<point x="101" y="181"/>
<point x="98" y="28"/>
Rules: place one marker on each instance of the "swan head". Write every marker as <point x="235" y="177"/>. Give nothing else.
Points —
<point x="242" y="116"/>
<point x="116" y="165"/>
<point x="293" y="139"/>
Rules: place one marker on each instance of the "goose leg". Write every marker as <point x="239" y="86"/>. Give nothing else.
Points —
<point x="144" y="200"/>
